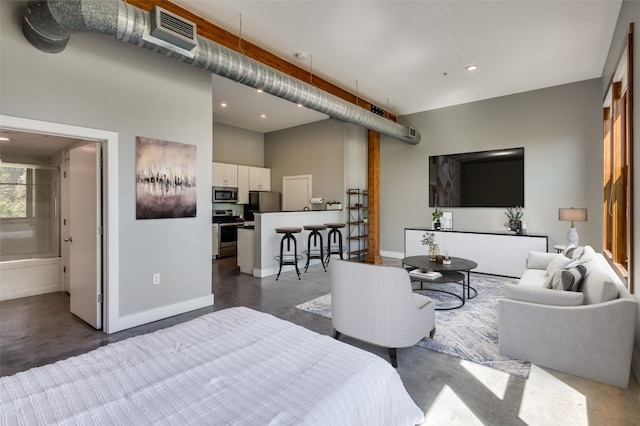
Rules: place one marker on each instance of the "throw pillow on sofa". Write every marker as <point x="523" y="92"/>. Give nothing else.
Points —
<point x="573" y="252"/>
<point x="558" y="261"/>
<point x="568" y="279"/>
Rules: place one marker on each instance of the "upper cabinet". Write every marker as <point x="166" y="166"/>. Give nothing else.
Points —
<point x="259" y="179"/>
<point x="225" y="175"/>
<point x="243" y="184"/>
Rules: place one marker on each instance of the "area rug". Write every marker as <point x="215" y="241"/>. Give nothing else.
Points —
<point x="469" y="333"/>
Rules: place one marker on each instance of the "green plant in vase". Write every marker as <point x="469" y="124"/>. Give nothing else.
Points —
<point x="429" y="239"/>
<point x="514" y="217"/>
<point x="437" y="215"/>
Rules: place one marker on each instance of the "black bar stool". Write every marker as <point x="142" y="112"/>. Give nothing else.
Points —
<point x="290" y="257"/>
<point x="315" y="251"/>
<point x="336" y="236"/>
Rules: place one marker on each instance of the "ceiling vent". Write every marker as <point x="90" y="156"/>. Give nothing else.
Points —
<point x="410" y="132"/>
<point x="173" y="29"/>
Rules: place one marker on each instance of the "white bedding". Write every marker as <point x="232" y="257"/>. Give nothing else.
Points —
<point x="235" y="366"/>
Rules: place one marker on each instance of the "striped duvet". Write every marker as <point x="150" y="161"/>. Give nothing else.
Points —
<point x="232" y="367"/>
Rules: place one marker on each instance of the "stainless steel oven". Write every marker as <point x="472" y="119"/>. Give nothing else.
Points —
<point x="227" y="232"/>
<point x="228" y="239"/>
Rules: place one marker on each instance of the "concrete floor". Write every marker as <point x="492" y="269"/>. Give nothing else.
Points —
<point x="40" y="330"/>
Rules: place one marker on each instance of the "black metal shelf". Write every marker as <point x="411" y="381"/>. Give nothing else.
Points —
<point x="357" y="225"/>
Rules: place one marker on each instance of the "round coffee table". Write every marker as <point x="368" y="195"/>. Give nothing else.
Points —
<point x="458" y="264"/>
<point x="446" y="277"/>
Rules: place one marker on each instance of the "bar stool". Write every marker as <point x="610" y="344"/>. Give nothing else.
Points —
<point x="290" y="257"/>
<point x="315" y="251"/>
<point x="336" y="236"/>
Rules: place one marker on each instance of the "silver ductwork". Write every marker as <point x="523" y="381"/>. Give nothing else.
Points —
<point x="48" y="23"/>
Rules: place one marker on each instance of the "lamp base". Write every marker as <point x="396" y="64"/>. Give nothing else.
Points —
<point x="572" y="236"/>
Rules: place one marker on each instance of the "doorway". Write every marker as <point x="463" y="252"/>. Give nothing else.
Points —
<point x="108" y="308"/>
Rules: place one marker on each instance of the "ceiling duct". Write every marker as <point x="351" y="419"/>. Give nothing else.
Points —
<point x="47" y="25"/>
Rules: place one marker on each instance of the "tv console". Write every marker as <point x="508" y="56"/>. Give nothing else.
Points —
<point x="495" y="253"/>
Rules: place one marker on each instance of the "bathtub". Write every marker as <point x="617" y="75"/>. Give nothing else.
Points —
<point x="29" y="277"/>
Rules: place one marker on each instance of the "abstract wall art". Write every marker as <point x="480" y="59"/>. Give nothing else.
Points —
<point x="165" y="179"/>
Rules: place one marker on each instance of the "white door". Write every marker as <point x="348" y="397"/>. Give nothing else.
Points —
<point x="64" y="210"/>
<point x="85" y="229"/>
<point x="296" y="192"/>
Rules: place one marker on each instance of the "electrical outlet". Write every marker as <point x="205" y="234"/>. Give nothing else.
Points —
<point x="156" y="279"/>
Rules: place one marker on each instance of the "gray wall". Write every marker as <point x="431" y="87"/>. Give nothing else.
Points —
<point x="630" y="12"/>
<point x="237" y="146"/>
<point x="317" y="149"/>
<point x="560" y="129"/>
<point x="101" y="83"/>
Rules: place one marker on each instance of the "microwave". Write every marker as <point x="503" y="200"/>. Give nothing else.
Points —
<point x="225" y="195"/>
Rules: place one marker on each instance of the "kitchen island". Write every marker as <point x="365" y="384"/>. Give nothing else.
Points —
<point x="266" y="242"/>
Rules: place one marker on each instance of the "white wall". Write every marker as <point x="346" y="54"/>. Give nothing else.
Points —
<point x="560" y="129"/>
<point x="100" y="83"/>
<point x="630" y="12"/>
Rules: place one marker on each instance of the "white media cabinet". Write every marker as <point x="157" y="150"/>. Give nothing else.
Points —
<point x="495" y="253"/>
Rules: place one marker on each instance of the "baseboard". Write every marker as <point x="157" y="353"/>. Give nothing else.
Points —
<point x="392" y="254"/>
<point x="134" y="320"/>
<point x="635" y="365"/>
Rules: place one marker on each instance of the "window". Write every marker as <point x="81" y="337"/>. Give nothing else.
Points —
<point x="618" y="186"/>
<point x="14" y="196"/>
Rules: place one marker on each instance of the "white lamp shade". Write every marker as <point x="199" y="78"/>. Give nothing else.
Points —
<point x="572" y="215"/>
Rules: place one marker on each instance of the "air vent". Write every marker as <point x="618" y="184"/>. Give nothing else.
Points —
<point x="173" y="29"/>
<point x="410" y="132"/>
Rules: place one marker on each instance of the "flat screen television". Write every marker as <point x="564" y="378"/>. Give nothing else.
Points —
<point x="477" y="179"/>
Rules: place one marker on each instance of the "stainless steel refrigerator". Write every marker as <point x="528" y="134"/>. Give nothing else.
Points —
<point x="261" y="201"/>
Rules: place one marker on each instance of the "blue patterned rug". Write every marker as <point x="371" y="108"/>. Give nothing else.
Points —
<point x="469" y="333"/>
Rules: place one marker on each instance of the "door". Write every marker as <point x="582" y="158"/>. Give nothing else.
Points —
<point x="85" y="229"/>
<point x="296" y="192"/>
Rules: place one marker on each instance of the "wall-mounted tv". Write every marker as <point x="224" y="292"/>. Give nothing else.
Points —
<point x="477" y="179"/>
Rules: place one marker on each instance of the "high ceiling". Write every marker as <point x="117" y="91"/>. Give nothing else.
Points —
<point x="410" y="56"/>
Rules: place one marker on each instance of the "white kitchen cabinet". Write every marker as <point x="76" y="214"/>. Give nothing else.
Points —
<point x="259" y="179"/>
<point x="215" y="228"/>
<point x="495" y="253"/>
<point x="243" y="184"/>
<point x="225" y="175"/>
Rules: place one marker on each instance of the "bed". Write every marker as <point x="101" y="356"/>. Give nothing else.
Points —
<point x="235" y="366"/>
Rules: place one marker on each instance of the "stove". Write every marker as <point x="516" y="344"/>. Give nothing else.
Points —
<point x="228" y="233"/>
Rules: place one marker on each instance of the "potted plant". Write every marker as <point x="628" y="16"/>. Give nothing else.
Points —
<point x="437" y="215"/>
<point x="514" y="216"/>
<point x="429" y="239"/>
<point x="334" y="205"/>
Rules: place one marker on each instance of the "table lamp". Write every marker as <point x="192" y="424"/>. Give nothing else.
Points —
<point x="572" y="215"/>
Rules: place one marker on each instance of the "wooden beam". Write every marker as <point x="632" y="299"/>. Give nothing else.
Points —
<point x="229" y="40"/>
<point x="373" y="198"/>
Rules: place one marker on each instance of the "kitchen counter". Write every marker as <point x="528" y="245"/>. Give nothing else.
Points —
<point x="267" y="241"/>
<point x="246" y="248"/>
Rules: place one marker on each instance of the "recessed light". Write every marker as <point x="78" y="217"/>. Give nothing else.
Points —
<point x="471" y="67"/>
<point x="4" y="139"/>
<point x="259" y="90"/>
<point x="223" y="104"/>
<point x="263" y="115"/>
<point x="299" y="105"/>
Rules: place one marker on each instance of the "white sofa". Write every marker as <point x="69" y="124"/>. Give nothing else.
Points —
<point x="587" y="333"/>
<point x="376" y="304"/>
